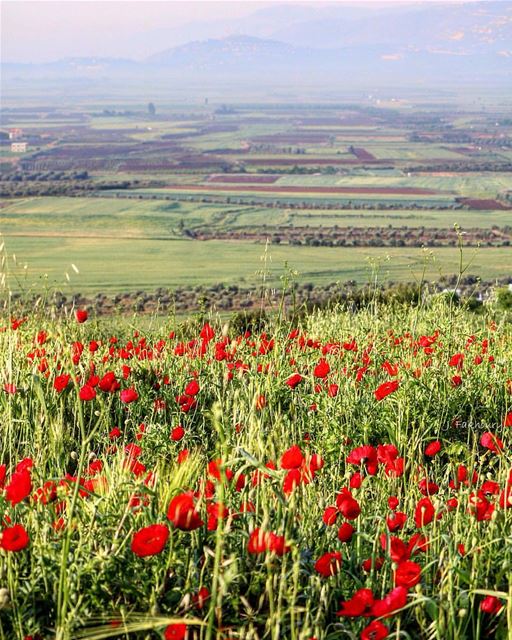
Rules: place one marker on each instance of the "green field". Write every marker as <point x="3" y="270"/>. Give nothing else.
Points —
<point x="478" y="186"/>
<point x="111" y="265"/>
<point x="104" y="217"/>
<point x="150" y="190"/>
<point x="283" y="198"/>
<point x="130" y="218"/>
<point x="125" y="245"/>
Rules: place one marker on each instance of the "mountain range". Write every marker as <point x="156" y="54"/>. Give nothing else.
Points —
<point x="405" y="44"/>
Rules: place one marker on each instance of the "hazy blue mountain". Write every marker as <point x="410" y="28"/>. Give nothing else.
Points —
<point x="455" y="27"/>
<point x="434" y="43"/>
<point x="233" y="52"/>
<point x="459" y="26"/>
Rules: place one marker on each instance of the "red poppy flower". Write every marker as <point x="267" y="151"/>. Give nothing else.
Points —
<point x="457" y="360"/>
<point x="216" y="511"/>
<point x="395" y="600"/>
<point x="345" y="532"/>
<point x="391" y="369"/>
<point x="19" y="487"/>
<point x="507" y="422"/>
<point x="417" y="543"/>
<point x="505" y="496"/>
<point x="177" y="433"/>
<point x="387" y="453"/>
<point x="393" y="502"/>
<point x="175" y="632"/>
<point x="14" y="538"/>
<point x="114" y="433"/>
<point x="375" y="631"/>
<point x="492" y="442"/>
<point x="192" y="388"/>
<point x="87" y="393"/>
<point x="150" y="541"/>
<point x="385" y="389"/>
<point x="183" y="455"/>
<point x="61" y="382"/>
<point x="433" y="448"/>
<point x="330" y="515"/>
<point x="261" y="402"/>
<point x="292" y="458"/>
<point x="329" y="564"/>
<point x="109" y="384"/>
<point x="332" y="390"/>
<point x="294" y="380"/>
<point x="396" y="521"/>
<point x="182" y="512"/>
<point x="427" y="487"/>
<point x="316" y="463"/>
<point x="24" y="465"/>
<point x="372" y="563"/>
<point x="45" y="494"/>
<point x="407" y="574"/>
<point x="261" y="541"/>
<point x="322" y="369"/>
<point x="348" y="505"/>
<point x="358" y="605"/>
<point x="366" y="455"/>
<point x="81" y="315"/>
<point x="128" y="395"/>
<point x="424" y="512"/>
<point x="258" y="541"/>
<point x="199" y="599"/>
<point x="292" y="480"/>
<point x="480" y="507"/>
<point x="491" y="605"/>
<point x="398" y="550"/>
<point x="356" y="480"/>
<point x="217" y="470"/>
<point x="490" y="488"/>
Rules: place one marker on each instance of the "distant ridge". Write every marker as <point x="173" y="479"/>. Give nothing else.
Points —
<point x="409" y="44"/>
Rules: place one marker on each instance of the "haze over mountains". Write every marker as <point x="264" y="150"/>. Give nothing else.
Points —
<point x="378" y="43"/>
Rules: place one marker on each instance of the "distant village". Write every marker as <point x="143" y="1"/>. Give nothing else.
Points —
<point x="16" y="139"/>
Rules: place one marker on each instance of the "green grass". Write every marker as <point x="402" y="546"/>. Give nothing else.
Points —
<point x="111" y="265"/>
<point x="417" y="151"/>
<point x="54" y="216"/>
<point x="478" y="186"/>
<point x="142" y="218"/>
<point x="126" y="245"/>
<point x="267" y="196"/>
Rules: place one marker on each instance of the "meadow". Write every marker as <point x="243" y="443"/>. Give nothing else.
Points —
<point x="348" y="476"/>
<point x="120" y="245"/>
<point x="112" y="265"/>
<point x="162" y="218"/>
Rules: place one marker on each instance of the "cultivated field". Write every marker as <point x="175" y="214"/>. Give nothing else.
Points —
<point x="115" y="265"/>
<point x="192" y="194"/>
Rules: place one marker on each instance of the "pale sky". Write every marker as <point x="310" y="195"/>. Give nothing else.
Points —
<point x="45" y="30"/>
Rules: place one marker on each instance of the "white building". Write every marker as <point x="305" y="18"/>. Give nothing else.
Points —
<point x="18" y="147"/>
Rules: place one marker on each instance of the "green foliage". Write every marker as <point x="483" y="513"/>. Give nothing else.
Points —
<point x="504" y="299"/>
